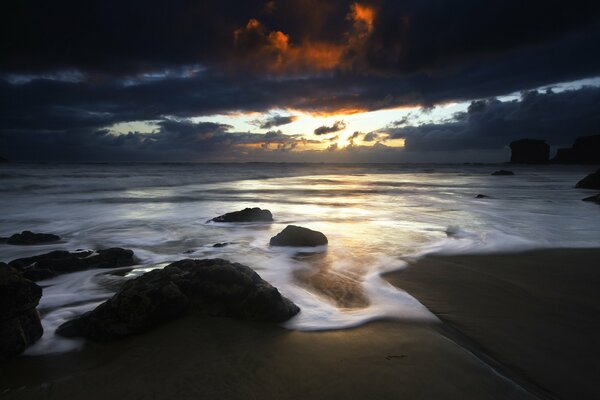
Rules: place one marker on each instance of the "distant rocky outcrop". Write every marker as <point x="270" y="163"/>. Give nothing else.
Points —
<point x="20" y="324"/>
<point x="213" y="287"/>
<point x="585" y="150"/>
<point x="297" y="236"/>
<point x="3" y="160"/>
<point x="246" y="215"/>
<point x="502" y="172"/>
<point x="27" y="238"/>
<point x="529" y="151"/>
<point x="592" y="181"/>
<point x="60" y="262"/>
<point x="594" y="199"/>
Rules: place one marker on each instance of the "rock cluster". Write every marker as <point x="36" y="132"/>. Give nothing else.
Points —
<point x="592" y="181"/>
<point x="20" y="324"/>
<point x="59" y="262"/>
<point x="585" y="150"/>
<point x="297" y="236"/>
<point x="27" y="238"/>
<point x="502" y="172"/>
<point x="246" y="215"/>
<point x="213" y="287"/>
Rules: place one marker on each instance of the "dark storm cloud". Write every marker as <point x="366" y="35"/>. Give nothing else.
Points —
<point x="487" y="124"/>
<point x="336" y="127"/>
<point x="74" y="68"/>
<point x="274" y="121"/>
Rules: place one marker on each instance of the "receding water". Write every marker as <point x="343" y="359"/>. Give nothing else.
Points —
<point x="375" y="216"/>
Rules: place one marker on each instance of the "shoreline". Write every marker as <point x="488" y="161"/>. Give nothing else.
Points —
<point x="487" y="346"/>
<point x="535" y="312"/>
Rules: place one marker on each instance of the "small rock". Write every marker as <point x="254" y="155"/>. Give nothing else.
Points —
<point x="592" y="181"/>
<point x="28" y="238"/>
<point x="59" y="262"/>
<point x="20" y="324"/>
<point x="246" y="215"/>
<point x="213" y="287"/>
<point x="482" y="196"/>
<point x="502" y="172"/>
<point x="297" y="236"/>
<point x="594" y="199"/>
<point x="220" y="244"/>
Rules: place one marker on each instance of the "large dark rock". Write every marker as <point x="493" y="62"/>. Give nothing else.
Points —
<point x="502" y="172"/>
<point x="60" y="262"/>
<point x="213" y="287"/>
<point x="594" y="199"/>
<point x="529" y="151"/>
<point x="3" y="160"/>
<point x="585" y="150"/>
<point x="246" y="215"/>
<point x="20" y="324"/>
<point x="27" y="238"/>
<point x="592" y="181"/>
<point x="298" y="236"/>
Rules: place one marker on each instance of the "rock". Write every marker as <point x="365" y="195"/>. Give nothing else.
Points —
<point x="298" y="236"/>
<point x="529" y="151"/>
<point x="595" y="198"/>
<point x="592" y="181"/>
<point x="20" y="324"/>
<point x="27" y="238"/>
<point x="585" y="150"/>
<point x="246" y="215"/>
<point x="213" y="287"/>
<point x="59" y="262"/>
<point x="220" y="244"/>
<point x="3" y="160"/>
<point x="502" y="172"/>
<point x="482" y="196"/>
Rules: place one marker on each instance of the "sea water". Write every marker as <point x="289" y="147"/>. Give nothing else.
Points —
<point x="376" y="217"/>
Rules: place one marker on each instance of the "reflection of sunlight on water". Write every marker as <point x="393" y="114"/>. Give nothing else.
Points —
<point x="374" y="217"/>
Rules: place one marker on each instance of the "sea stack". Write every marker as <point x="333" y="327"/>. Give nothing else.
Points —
<point x="529" y="151"/>
<point x="585" y="150"/>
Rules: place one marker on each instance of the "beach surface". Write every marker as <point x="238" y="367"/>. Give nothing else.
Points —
<point x="513" y="326"/>
<point x="536" y="313"/>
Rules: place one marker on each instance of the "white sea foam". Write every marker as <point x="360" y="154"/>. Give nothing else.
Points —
<point x="374" y="216"/>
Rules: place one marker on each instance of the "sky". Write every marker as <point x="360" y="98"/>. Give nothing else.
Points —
<point x="295" y="80"/>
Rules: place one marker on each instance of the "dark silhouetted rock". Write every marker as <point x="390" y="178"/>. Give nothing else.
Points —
<point x="26" y="238"/>
<point x="592" y="181"/>
<point x="585" y="150"/>
<point x="213" y="287"/>
<point x="482" y="196"/>
<point x="20" y="324"/>
<point x="502" y="172"/>
<point x="595" y="198"/>
<point x="3" y="160"/>
<point x="246" y="215"/>
<point x="298" y="236"/>
<point x="60" y="262"/>
<point x="220" y="244"/>
<point x="529" y="151"/>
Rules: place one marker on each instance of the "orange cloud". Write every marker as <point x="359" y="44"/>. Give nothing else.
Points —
<point x="274" y="52"/>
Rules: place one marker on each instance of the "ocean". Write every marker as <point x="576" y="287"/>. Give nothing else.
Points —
<point x="376" y="217"/>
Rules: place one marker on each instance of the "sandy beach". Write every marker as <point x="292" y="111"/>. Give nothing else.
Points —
<point x="516" y="326"/>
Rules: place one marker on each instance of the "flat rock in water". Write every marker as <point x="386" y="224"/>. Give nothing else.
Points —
<point x="482" y="196"/>
<point x="28" y="238"/>
<point x="20" y="324"/>
<point x="592" y="181"/>
<point x="246" y="215"/>
<point x="594" y="199"/>
<point x="297" y="236"/>
<point x="60" y="262"/>
<point x="502" y="172"/>
<point x="213" y="287"/>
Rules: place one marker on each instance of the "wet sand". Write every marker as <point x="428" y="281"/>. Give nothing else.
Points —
<point x="537" y="313"/>
<point x="518" y="326"/>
